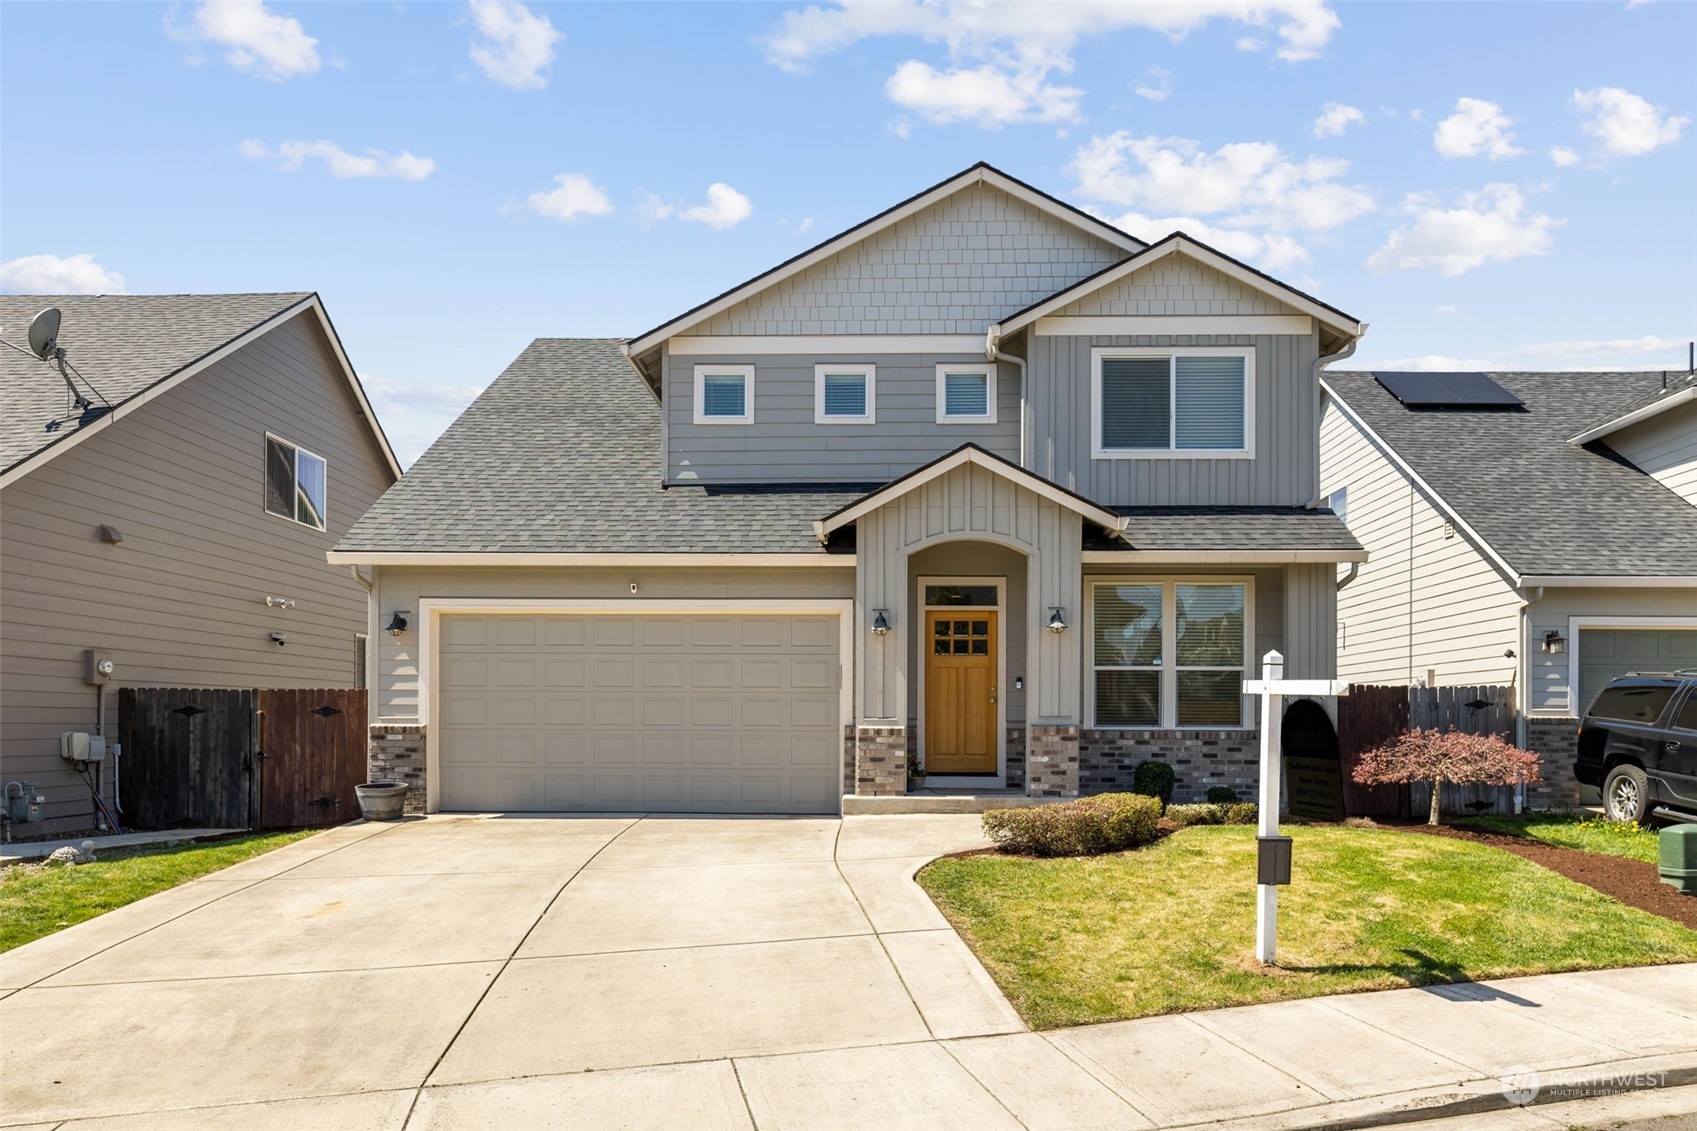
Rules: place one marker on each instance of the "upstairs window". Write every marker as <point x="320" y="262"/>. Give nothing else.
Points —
<point x="966" y="394"/>
<point x="1338" y="503"/>
<point x="724" y="394"/>
<point x="294" y="483"/>
<point x="1172" y="403"/>
<point x="844" y="394"/>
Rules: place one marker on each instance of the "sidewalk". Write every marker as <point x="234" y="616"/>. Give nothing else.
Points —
<point x="41" y="849"/>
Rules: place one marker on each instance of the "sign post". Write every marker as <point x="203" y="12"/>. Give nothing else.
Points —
<point x="1273" y="856"/>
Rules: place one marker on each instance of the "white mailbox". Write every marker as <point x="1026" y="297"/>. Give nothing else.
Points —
<point x="80" y="746"/>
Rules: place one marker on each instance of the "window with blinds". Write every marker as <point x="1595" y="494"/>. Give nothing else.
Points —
<point x="966" y="394"/>
<point x="1169" y="653"/>
<point x="1175" y="403"/>
<point x="843" y="394"/>
<point x="724" y="394"/>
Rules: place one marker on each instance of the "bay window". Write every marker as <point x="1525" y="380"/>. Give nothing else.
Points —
<point x="1169" y="653"/>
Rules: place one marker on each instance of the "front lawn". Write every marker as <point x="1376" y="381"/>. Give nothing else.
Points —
<point x="1585" y="831"/>
<point x="1171" y="927"/>
<point x="36" y="899"/>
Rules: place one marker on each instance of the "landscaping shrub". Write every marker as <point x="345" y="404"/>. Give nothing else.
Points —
<point x="1108" y="822"/>
<point x="1435" y="757"/>
<point x="1242" y="813"/>
<point x="1221" y="795"/>
<point x="1154" y="779"/>
<point x="1186" y="815"/>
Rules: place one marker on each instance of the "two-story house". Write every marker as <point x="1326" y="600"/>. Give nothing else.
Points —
<point x="983" y="480"/>
<point x="170" y="529"/>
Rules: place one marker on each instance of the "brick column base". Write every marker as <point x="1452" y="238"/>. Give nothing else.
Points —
<point x="396" y="753"/>
<point x="1556" y="742"/>
<point x="1051" y="761"/>
<point x="880" y="761"/>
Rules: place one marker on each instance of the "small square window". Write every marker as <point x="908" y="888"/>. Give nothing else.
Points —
<point x="295" y="483"/>
<point x="966" y="394"/>
<point x="724" y="394"/>
<point x="844" y="394"/>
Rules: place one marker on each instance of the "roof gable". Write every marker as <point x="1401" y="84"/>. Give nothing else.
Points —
<point x="1671" y="394"/>
<point x="991" y="198"/>
<point x="1154" y="289"/>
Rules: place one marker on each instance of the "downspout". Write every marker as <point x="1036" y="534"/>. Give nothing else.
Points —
<point x="1354" y="572"/>
<point x="1320" y="363"/>
<point x="993" y="352"/>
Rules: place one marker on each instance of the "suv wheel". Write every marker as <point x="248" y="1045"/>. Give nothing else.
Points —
<point x="1626" y="794"/>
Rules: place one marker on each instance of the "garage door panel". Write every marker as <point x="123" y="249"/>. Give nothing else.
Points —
<point x="720" y="713"/>
<point x="1684" y="648"/>
<point x="1605" y="653"/>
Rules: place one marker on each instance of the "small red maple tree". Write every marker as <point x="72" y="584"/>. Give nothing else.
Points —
<point x="1438" y="756"/>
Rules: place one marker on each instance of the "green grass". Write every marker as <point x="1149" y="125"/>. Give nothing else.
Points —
<point x="1171" y="927"/>
<point x="37" y="900"/>
<point x="1585" y="831"/>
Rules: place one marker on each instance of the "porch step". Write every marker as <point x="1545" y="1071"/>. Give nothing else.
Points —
<point x="942" y="801"/>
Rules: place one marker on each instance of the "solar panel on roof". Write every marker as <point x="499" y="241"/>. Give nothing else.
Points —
<point x="1447" y="390"/>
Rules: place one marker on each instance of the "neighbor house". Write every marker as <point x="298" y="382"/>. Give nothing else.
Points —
<point x="177" y="525"/>
<point x="983" y="481"/>
<point x="1530" y="530"/>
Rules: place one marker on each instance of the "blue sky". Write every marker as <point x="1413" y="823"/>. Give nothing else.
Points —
<point x="1491" y="185"/>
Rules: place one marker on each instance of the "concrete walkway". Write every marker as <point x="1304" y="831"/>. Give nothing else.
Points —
<point x="710" y="973"/>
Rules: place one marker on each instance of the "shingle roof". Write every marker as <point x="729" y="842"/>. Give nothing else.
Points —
<point x="1683" y="383"/>
<point x="123" y="345"/>
<point x="561" y="455"/>
<point x="1227" y="528"/>
<point x="1546" y="506"/>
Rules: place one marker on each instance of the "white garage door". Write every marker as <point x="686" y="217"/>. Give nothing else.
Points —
<point x="1608" y="652"/>
<point x="657" y="712"/>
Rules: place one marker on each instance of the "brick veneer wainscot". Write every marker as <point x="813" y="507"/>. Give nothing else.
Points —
<point x="1051" y="761"/>
<point x="1199" y="758"/>
<point x="396" y="753"/>
<point x="1556" y="742"/>
<point x="880" y="763"/>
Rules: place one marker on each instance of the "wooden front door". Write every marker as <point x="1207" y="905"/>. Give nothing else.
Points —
<point x="960" y="691"/>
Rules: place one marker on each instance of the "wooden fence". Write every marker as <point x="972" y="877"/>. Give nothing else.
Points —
<point x="1372" y="714"/>
<point x="240" y="758"/>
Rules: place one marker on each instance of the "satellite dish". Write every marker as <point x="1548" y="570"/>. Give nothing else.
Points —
<point x="44" y="332"/>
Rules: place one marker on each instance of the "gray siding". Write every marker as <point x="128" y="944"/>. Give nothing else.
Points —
<point x="1286" y="421"/>
<point x="975" y="559"/>
<point x="1176" y="284"/>
<point x="1665" y="446"/>
<point x="1548" y="676"/>
<point x="953" y="268"/>
<point x="181" y="602"/>
<point x="784" y="445"/>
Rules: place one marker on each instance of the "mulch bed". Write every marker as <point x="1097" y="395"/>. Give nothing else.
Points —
<point x="1633" y="882"/>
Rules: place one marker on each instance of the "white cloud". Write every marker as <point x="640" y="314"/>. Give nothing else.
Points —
<point x="574" y="195"/>
<point x="58" y="275"/>
<point x="1249" y="43"/>
<point x="1477" y="127"/>
<point x="1563" y="156"/>
<point x="289" y="156"/>
<point x="1425" y="363"/>
<point x="1336" y="118"/>
<point x="1488" y="226"/>
<point x="1596" y="354"/>
<point x="517" y="45"/>
<point x="1649" y="343"/>
<point x="1268" y="250"/>
<point x="1625" y="124"/>
<point x="983" y="95"/>
<point x="255" y="38"/>
<point x="1156" y="85"/>
<point x="415" y="413"/>
<point x="725" y="208"/>
<point x="1447" y="310"/>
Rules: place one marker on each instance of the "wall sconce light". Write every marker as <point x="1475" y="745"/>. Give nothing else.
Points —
<point x="111" y="535"/>
<point x="398" y="624"/>
<point x="880" y="622"/>
<point x="279" y="639"/>
<point x="1554" y="642"/>
<point x="1057" y="621"/>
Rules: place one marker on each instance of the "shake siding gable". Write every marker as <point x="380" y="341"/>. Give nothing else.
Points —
<point x="1422" y="601"/>
<point x="181" y="601"/>
<point x="1175" y="285"/>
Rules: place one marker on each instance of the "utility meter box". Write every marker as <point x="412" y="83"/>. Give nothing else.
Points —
<point x="97" y="666"/>
<point x="80" y="746"/>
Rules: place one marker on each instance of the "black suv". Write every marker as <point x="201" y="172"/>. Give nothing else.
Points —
<point x="1638" y="744"/>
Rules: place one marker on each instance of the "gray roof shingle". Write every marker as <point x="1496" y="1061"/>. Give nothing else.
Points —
<point x="123" y="345"/>
<point x="1547" y="506"/>
<point x="1228" y="528"/>
<point x="1676" y="385"/>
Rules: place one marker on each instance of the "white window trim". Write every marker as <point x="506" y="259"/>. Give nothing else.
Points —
<point x="746" y="372"/>
<point x="990" y="390"/>
<point x="1000" y="608"/>
<point x="1101" y="353"/>
<point x="265" y="473"/>
<point x="1575" y="623"/>
<point x="869" y="373"/>
<point x="1168" y="672"/>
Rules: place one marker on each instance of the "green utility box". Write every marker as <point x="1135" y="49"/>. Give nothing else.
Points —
<point x="1679" y="858"/>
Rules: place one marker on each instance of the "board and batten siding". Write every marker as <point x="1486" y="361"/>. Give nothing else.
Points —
<point x="1427" y="600"/>
<point x="180" y="602"/>
<point x="785" y="445"/>
<point x="403" y="587"/>
<point x="1284" y="424"/>
<point x="952" y="268"/>
<point x="1664" y="447"/>
<point x="988" y="560"/>
<point x="967" y="504"/>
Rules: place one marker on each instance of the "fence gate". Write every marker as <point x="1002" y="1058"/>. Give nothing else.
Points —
<point x="1369" y="715"/>
<point x="187" y="760"/>
<point x="1372" y="714"/>
<point x="311" y="755"/>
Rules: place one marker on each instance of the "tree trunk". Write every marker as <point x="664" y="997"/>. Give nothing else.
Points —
<point x="1437" y="796"/>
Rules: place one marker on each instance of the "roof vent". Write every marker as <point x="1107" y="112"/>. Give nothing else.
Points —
<point x="1448" y="391"/>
